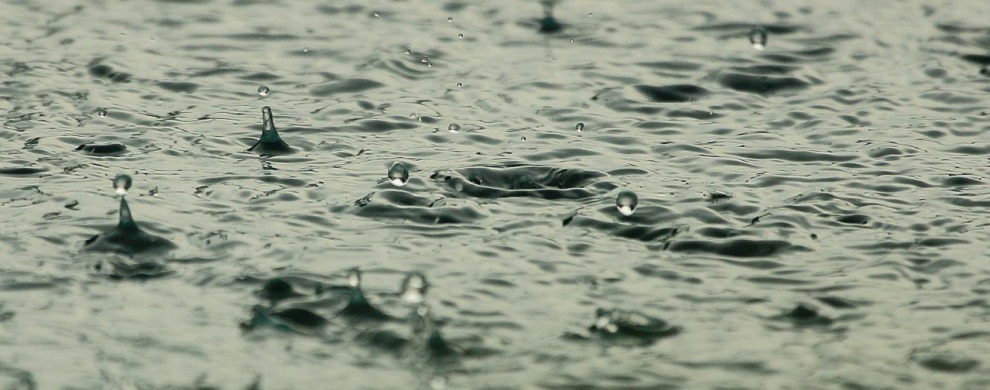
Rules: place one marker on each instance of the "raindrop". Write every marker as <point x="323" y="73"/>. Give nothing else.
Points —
<point x="459" y="85"/>
<point x="589" y="14"/>
<point x="354" y="278"/>
<point x="430" y="65"/>
<point x="263" y="91"/>
<point x="398" y="174"/>
<point x="758" y="38"/>
<point x="450" y="20"/>
<point x="460" y="36"/>
<point x="414" y="288"/>
<point x="408" y="52"/>
<point x="121" y="184"/>
<point x="376" y="15"/>
<point x="572" y="40"/>
<point x="425" y="60"/>
<point x="626" y="202"/>
<point x="523" y="139"/>
<point x="580" y="126"/>
<point x="102" y="113"/>
<point x="454" y="128"/>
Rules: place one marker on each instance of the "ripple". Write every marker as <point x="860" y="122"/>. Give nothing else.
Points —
<point x="525" y="181"/>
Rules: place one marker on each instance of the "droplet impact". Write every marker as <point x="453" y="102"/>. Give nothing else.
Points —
<point x="398" y="174"/>
<point x="758" y="38"/>
<point x="626" y="202"/>
<point x="414" y="288"/>
<point x="263" y="91"/>
<point x="102" y="113"/>
<point x="121" y="184"/>
<point x="580" y="126"/>
<point x="454" y="128"/>
<point x="354" y="278"/>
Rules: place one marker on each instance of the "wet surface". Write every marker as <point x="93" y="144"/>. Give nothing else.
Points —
<point x="645" y="195"/>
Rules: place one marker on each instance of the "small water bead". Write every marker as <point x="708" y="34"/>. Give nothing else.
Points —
<point x="408" y="52"/>
<point x="626" y="202"/>
<point x="354" y="278"/>
<point x="121" y="184"/>
<point x="454" y="128"/>
<point x="460" y="36"/>
<point x="398" y="174"/>
<point x="377" y="15"/>
<point x="459" y="85"/>
<point x="450" y="20"/>
<point x="414" y="288"/>
<point x="263" y="91"/>
<point x="425" y="60"/>
<point x="758" y="38"/>
<point x="580" y="126"/>
<point x="102" y="113"/>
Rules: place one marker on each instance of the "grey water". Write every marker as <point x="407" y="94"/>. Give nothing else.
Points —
<point x="435" y="200"/>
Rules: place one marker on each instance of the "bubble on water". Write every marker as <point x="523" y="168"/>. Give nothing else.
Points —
<point x="121" y="184"/>
<point x="454" y="128"/>
<point x="354" y="278"/>
<point x="758" y="38"/>
<point x="429" y="65"/>
<point x="398" y="174"/>
<point x="523" y="139"/>
<point x="263" y="91"/>
<point x="626" y="202"/>
<point x="414" y="288"/>
<point x="450" y="20"/>
<point x="102" y="113"/>
<point x="460" y="36"/>
<point x="579" y="127"/>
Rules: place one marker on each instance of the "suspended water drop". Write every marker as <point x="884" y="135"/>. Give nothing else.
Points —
<point x="414" y="288"/>
<point x="454" y="128"/>
<point x="626" y="202"/>
<point x="758" y="38"/>
<point x="102" y="113"/>
<point x="460" y="36"/>
<point x="354" y="278"/>
<point x="580" y="126"/>
<point x="263" y="91"/>
<point x="121" y="184"/>
<point x="398" y="174"/>
<point x="450" y="20"/>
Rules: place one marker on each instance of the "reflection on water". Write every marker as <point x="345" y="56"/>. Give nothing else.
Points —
<point x="747" y="196"/>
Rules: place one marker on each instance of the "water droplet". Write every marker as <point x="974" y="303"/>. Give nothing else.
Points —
<point x="376" y="15"/>
<point x="414" y="288"/>
<point x="459" y="85"/>
<point x="268" y="121"/>
<point x="454" y="128"/>
<point x="626" y="202"/>
<point x="102" y="113"/>
<point x="306" y="50"/>
<point x="589" y="14"/>
<point x="429" y="65"/>
<point x="398" y="174"/>
<point x="121" y="184"/>
<point x="460" y="36"/>
<point x="579" y="127"/>
<point x="450" y="20"/>
<point x="263" y="91"/>
<point x="758" y="38"/>
<point x="408" y="52"/>
<point x="354" y="278"/>
<point x="523" y="139"/>
<point x="425" y="60"/>
<point x="572" y="40"/>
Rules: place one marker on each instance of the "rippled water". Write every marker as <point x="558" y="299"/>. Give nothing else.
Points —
<point x="809" y="215"/>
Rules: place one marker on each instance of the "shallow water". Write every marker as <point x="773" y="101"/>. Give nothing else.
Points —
<point x="809" y="215"/>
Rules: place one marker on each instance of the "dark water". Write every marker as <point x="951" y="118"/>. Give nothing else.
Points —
<point x="811" y="215"/>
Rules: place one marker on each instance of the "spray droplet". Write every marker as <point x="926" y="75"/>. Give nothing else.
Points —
<point x="354" y="278"/>
<point x="263" y="91"/>
<point x="454" y="128"/>
<point x="376" y="15"/>
<point x="758" y="38"/>
<point x="414" y="288"/>
<point x="102" y="113"/>
<point x="121" y="184"/>
<point x="579" y="127"/>
<point x="460" y="36"/>
<point x="450" y="20"/>
<point x="626" y="202"/>
<point x="398" y="174"/>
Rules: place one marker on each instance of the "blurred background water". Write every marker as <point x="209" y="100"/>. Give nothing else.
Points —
<point x="811" y="214"/>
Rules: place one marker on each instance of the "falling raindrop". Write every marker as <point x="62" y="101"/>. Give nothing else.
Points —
<point x="579" y="127"/>
<point x="758" y="38"/>
<point x="354" y="278"/>
<point x="454" y="128"/>
<point x="626" y="202"/>
<point x="121" y="184"/>
<point x="398" y="174"/>
<point x="414" y="288"/>
<point x="263" y="91"/>
<point x="102" y="113"/>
